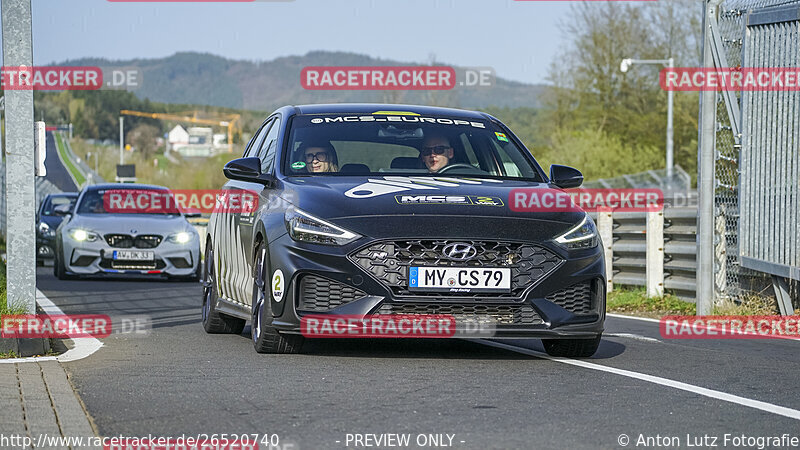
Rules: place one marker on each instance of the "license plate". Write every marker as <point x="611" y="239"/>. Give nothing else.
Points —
<point x="459" y="279"/>
<point x="133" y="255"/>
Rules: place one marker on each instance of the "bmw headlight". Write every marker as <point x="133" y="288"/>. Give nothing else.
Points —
<point x="583" y="235"/>
<point x="180" y="238"/>
<point x="45" y="230"/>
<point x="82" y="235"/>
<point x="306" y="228"/>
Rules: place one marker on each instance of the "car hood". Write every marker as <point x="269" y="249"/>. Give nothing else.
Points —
<point x="134" y="224"/>
<point x="427" y="199"/>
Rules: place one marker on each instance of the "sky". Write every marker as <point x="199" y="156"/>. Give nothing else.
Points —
<point x="518" y="39"/>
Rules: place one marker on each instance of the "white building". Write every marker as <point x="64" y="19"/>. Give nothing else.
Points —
<point x="178" y="135"/>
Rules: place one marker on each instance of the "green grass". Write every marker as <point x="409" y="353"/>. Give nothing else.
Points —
<point x="62" y="151"/>
<point x="636" y="302"/>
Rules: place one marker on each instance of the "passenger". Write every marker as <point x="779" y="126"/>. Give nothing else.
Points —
<point x="320" y="157"/>
<point x="436" y="153"/>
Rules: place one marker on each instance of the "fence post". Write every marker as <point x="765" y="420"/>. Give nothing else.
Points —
<point x="605" y="226"/>
<point x="655" y="254"/>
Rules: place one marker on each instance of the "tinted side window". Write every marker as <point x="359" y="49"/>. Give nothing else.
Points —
<point x="255" y="144"/>
<point x="269" y="147"/>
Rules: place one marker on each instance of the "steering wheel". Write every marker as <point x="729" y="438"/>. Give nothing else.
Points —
<point x="459" y="166"/>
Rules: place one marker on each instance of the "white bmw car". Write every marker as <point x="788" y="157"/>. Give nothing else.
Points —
<point x="97" y="239"/>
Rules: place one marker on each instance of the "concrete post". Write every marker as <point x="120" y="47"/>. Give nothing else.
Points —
<point x="605" y="226"/>
<point x="20" y="186"/>
<point x="655" y="254"/>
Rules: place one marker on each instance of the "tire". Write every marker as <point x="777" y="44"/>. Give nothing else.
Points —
<point x="59" y="270"/>
<point x="213" y="321"/>
<point x="266" y="339"/>
<point x="571" y="348"/>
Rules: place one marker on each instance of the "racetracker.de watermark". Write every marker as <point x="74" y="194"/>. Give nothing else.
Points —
<point x="397" y="326"/>
<point x="152" y="201"/>
<point x="62" y="326"/>
<point x="575" y="200"/>
<point x="378" y="78"/>
<point x="68" y="78"/>
<point x="731" y="79"/>
<point x="730" y="327"/>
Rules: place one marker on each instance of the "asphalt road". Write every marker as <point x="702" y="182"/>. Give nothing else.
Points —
<point x="56" y="172"/>
<point x="179" y="380"/>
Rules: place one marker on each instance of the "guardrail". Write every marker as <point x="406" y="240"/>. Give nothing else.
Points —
<point x="670" y="252"/>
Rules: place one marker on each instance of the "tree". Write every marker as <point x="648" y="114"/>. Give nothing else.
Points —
<point x="144" y="137"/>
<point x="592" y="97"/>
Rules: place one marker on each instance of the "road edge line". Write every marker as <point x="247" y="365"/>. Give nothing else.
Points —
<point x="711" y="393"/>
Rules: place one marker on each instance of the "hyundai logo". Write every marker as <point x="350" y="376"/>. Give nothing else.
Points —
<point x="459" y="251"/>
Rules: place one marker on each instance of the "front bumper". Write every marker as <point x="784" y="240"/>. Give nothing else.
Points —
<point x="566" y="300"/>
<point x="94" y="258"/>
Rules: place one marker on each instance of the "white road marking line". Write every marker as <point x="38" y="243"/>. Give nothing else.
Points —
<point x="637" y="337"/>
<point x="644" y="319"/>
<point x="84" y="346"/>
<point x="647" y="319"/>
<point x="711" y="393"/>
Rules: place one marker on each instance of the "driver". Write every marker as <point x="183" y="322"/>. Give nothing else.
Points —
<point x="436" y="153"/>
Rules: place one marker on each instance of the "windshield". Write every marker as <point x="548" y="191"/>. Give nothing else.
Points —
<point x="51" y="203"/>
<point x="379" y="144"/>
<point x="129" y="201"/>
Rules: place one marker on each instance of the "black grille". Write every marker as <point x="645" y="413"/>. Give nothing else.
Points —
<point x="180" y="263"/>
<point x="320" y="294"/>
<point x="576" y="299"/>
<point x="128" y="241"/>
<point x="502" y="314"/>
<point x="389" y="262"/>
<point x="120" y="240"/>
<point x="147" y="241"/>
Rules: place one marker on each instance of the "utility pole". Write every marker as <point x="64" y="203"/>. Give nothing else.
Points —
<point x="669" y="63"/>
<point x="20" y="186"/>
<point x="121" y="138"/>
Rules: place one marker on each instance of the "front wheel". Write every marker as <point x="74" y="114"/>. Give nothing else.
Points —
<point x="266" y="339"/>
<point x="571" y="348"/>
<point x="213" y="321"/>
<point x="59" y="270"/>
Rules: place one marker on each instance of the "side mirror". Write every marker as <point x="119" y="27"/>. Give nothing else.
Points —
<point x="247" y="169"/>
<point x="565" y="177"/>
<point x="63" y="210"/>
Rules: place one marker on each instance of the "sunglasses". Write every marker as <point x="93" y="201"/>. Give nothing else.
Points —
<point x="321" y="157"/>
<point x="437" y="150"/>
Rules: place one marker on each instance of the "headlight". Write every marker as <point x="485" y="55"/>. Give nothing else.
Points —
<point x="583" y="235"/>
<point x="83" y="235"/>
<point x="307" y="228"/>
<point x="45" y="230"/>
<point x="180" y="238"/>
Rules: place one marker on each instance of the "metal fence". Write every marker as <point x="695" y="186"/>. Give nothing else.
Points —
<point x="751" y="145"/>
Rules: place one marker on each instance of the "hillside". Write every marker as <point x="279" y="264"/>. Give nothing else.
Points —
<point x="205" y="79"/>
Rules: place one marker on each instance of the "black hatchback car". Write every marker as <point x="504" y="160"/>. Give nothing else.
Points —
<point x="374" y="210"/>
<point x="48" y="218"/>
